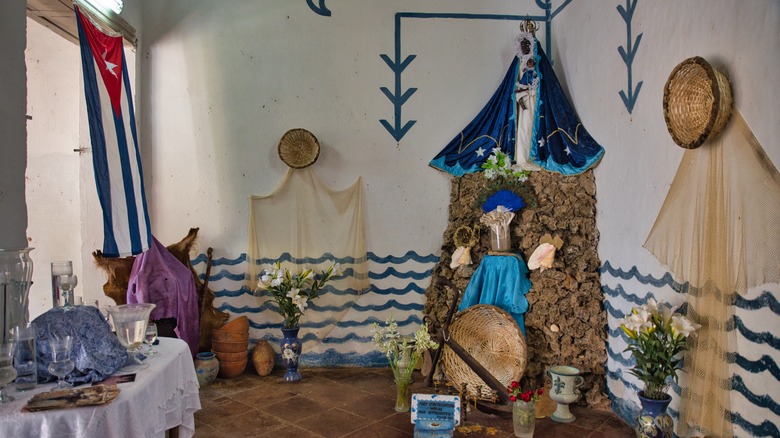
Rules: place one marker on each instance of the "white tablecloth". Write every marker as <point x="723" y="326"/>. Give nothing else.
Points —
<point x="163" y="396"/>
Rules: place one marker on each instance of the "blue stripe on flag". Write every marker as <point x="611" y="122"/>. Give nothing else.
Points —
<point x="118" y="173"/>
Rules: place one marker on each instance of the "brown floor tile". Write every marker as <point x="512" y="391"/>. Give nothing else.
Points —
<point x="291" y="431"/>
<point x="206" y="431"/>
<point x="400" y="420"/>
<point x="334" y="423"/>
<point x="248" y="423"/>
<point x="354" y="402"/>
<point x="614" y="427"/>
<point x="378" y="430"/>
<point x="372" y="407"/>
<point x="218" y="412"/>
<point x="295" y="409"/>
<point x="335" y="394"/>
<point x="546" y="428"/>
<point x="589" y="418"/>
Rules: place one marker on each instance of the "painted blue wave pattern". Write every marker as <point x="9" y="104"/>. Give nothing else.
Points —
<point x="765" y="429"/>
<point x="766" y="363"/>
<point x="270" y="305"/>
<point x="411" y="255"/>
<point x="750" y="375"/>
<point x="397" y="287"/>
<point x="392" y="272"/>
<point x="757" y="338"/>
<point x="766" y="300"/>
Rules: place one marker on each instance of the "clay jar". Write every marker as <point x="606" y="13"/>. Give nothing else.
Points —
<point x="263" y="357"/>
<point x="206" y="367"/>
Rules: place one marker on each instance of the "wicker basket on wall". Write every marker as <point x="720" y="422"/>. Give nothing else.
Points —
<point x="697" y="102"/>
<point x="299" y="148"/>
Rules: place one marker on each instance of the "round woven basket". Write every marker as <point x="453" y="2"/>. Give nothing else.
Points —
<point x="299" y="148"/>
<point x="492" y="337"/>
<point x="697" y="102"/>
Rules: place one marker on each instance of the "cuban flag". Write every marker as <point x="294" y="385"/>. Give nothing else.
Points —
<point x="115" y="155"/>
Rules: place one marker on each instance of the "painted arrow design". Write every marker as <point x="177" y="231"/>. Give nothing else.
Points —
<point x="629" y="99"/>
<point x="398" y="98"/>
<point x="320" y="9"/>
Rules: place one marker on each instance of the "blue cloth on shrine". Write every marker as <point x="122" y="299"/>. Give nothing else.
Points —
<point x="501" y="281"/>
<point x="494" y="126"/>
<point x="96" y="351"/>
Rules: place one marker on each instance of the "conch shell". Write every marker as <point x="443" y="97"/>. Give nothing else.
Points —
<point x="542" y="257"/>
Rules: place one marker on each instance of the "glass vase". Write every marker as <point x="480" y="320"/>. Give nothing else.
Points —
<point x="16" y="269"/>
<point x="499" y="238"/>
<point x="402" y="403"/>
<point x="524" y="418"/>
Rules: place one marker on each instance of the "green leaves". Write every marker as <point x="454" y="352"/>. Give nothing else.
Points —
<point x="655" y="342"/>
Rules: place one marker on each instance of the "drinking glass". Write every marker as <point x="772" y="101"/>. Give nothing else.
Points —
<point x="67" y="283"/>
<point x="61" y="364"/>
<point x="130" y="323"/>
<point x="151" y="336"/>
<point x="7" y="370"/>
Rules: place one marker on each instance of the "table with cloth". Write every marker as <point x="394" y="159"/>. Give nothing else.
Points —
<point x="502" y="281"/>
<point x="163" y="396"/>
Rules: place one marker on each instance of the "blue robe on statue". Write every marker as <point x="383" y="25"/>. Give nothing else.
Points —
<point x="559" y="141"/>
<point x="495" y="126"/>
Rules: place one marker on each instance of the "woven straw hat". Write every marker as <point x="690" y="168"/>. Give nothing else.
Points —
<point x="697" y="102"/>
<point x="299" y="148"/>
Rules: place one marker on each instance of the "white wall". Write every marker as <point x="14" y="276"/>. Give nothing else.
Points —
<point x="740" y="39"/>
<point x="53" y="96"/>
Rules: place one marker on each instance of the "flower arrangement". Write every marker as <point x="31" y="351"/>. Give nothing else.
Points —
<point x="515" y="393"/>
<point x="657" y="337"/>
<point x="499" y="164"/>
<point x="292" y="293"/>
<point x="403" y="354"/>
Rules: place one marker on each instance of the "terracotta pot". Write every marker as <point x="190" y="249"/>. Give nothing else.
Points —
<point x="230" y="357"/>
<point x="229" y="347"/>
<point x="222" y="335"/>
<point x="228" y="370"/>
<point x="263" y="358"/>
<point x="238" y="325"/>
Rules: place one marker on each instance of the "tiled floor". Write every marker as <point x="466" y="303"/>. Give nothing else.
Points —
<point x="354" y="403"/>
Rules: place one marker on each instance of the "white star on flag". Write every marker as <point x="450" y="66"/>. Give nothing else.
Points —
<point x="109" y="66"/>
<point x="480" y="152"/>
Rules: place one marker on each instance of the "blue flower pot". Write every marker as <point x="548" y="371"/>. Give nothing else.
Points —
<point x="653" y="421"/>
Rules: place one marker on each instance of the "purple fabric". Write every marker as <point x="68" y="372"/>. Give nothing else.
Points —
<point x="160" y="278"/>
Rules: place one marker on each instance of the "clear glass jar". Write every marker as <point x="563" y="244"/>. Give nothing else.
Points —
<point x="524" y="418"/>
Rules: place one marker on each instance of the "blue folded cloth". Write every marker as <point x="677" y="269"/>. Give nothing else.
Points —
<point x="96" y="351"/>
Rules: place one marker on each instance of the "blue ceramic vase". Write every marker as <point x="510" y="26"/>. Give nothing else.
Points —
<point x="290" y="346"/>
<point x="653" y="421"/>
<point x="206" y="367"/>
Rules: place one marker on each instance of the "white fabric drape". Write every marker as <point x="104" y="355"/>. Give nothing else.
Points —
<point x="304" y="224"/>
<point x="718" y="230"/>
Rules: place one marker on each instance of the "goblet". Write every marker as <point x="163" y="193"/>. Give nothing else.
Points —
<point x="61" y="364"/>
<point x="7" y="370"/>
<point x="151" y="336"/>
<point x="130" y="323"/>
<point x="67" y="283"/>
